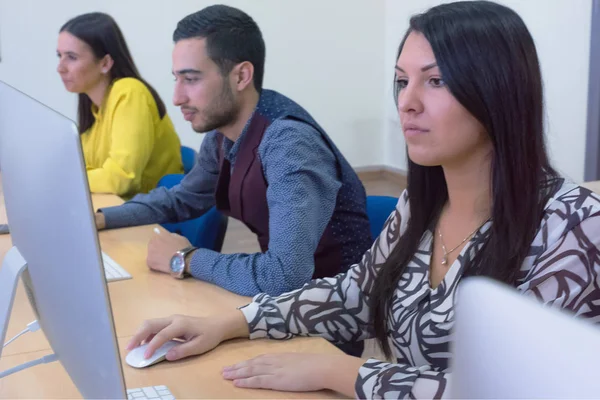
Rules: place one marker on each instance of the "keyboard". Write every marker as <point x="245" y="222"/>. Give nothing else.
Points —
<point x="112" y="270"/>
<point x="150" y="392"/>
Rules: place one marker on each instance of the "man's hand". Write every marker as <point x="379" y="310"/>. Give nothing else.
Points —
<point x="162" y="247"/>
<point x="100" y="220"/>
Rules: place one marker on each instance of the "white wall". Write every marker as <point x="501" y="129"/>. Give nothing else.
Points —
<point x="561" y="30"/>
<point x="326" y="57"/>
<point x="336" y="61"/>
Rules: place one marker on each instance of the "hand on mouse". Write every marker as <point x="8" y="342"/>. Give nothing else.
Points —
<point x="200" y="334"/>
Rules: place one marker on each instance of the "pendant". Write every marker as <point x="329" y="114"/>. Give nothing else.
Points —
<point x="444" y="260"/>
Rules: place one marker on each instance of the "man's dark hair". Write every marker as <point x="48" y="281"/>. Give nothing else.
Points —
<point x="232" y="37"/>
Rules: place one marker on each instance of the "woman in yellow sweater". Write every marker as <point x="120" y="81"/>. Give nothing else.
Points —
<point x="128" y="139"/>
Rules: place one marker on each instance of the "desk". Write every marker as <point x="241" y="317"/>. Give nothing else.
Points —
<point x="147" y="295"/>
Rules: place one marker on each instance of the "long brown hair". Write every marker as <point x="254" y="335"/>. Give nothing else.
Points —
<point x="488" y="60"/>
<point x="102" y="34"/>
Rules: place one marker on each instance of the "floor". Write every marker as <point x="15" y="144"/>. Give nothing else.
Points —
<point x="240" y="239"/>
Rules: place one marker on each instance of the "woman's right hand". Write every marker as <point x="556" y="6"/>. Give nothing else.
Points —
<point x="199" y="335"/>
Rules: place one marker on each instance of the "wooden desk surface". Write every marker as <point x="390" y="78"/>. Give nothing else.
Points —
<point x="147" y="295"/>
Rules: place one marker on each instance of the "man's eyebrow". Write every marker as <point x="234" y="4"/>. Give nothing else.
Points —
<point x="187" y="71"/>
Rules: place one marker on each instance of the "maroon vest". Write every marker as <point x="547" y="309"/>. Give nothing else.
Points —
<point x="243" y="196"/>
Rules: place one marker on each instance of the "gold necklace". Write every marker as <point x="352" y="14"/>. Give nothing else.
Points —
<point x="446" y="252"/>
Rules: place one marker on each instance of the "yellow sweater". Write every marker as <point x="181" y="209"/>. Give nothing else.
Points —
<point x="129" y="148"/>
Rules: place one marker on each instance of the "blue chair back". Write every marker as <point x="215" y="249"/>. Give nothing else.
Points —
<point x="379" y="209"/>
<point x="207" y="231"/>
<point x="188" y="158"/>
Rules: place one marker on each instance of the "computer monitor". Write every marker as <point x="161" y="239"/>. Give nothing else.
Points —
<point x="508" y="346"/>
<point x="50" y="214"/>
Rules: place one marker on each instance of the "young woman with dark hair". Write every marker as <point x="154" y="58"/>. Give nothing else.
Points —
<point x="482" y="199"/>
<point x="128" y="139"/>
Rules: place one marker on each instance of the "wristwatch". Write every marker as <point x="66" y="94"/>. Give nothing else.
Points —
<point x="177" y="263"/>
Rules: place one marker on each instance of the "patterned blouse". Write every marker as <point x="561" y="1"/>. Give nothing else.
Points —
<point x="562" y="270"/>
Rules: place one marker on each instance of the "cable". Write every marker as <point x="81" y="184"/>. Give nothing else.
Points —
<point x="44" y="360"/>
<point x="31" y="327"/>
<point x="24" y="331"/>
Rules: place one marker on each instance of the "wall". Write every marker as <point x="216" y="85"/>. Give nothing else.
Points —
<point x="326" y="57"/>
<point x="336" y="61"/>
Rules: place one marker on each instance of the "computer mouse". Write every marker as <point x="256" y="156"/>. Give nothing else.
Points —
<point x="136" y="359"/>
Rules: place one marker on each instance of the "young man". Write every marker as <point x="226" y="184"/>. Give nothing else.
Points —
<point x="264" y="161"/>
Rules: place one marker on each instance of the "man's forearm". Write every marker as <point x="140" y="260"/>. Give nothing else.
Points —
<point x="129" y="214"/>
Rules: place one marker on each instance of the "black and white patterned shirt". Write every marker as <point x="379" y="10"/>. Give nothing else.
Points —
<point x="562" y="270"/>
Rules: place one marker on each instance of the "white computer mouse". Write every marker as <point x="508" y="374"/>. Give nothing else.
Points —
<point x="136" y="359"/>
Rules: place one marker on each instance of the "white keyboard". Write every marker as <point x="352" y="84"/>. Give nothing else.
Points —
<point x="150" y="392"/>
<point x="112" y="270"/>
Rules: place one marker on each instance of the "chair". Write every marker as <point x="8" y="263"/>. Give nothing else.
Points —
<point x="188" y="158"/>
<point x="207" y="231"/>
<point x="379" y="209"/>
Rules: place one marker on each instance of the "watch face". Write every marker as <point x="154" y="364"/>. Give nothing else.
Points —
<point x="177" y="263"/>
